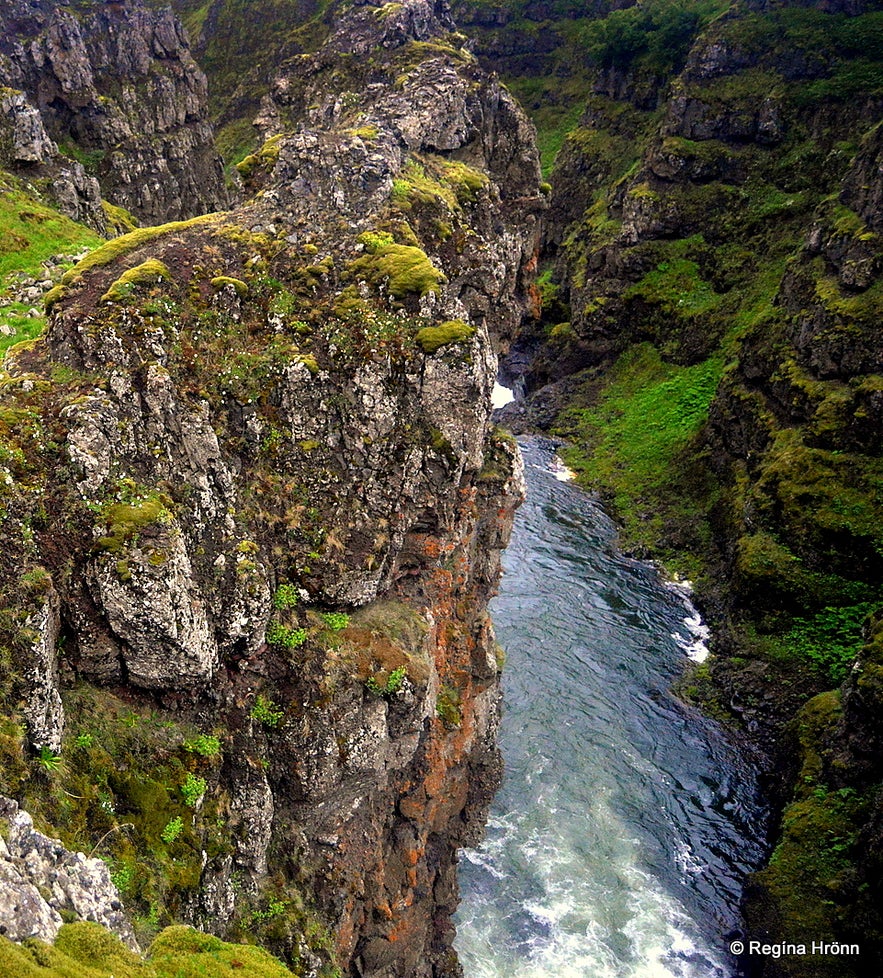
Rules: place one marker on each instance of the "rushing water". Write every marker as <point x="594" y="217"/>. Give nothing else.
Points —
<point x="626" y="823"/>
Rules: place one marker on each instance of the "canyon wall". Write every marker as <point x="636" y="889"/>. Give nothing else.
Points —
<point x="254" y="505"/>
<point x="115" y="87"/>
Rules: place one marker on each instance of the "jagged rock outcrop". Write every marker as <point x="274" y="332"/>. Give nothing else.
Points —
<point x="274" y="505"/>
<point x="116" y="87"/>
<point x="40" y="879"/>
<point x="27" y="151"/>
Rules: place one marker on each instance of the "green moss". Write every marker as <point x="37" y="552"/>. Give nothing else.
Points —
<point x="125" y="520"/>
<point x="387" y="10"/>
<point x="643" y="191"/>
<point x="447" y="707"/>
<point x="221" y="281"/>
<point x="816" y="492"/>
<point x="405" y="269"/>
<point x="53" y="296"/>
<point x="675" y="286"/>
<point x="150" y="272"/>
<point x="466" y="181"/>
<point x="266" y="156"/>
<point x="92" y="945"/>
<point x="433" y="338"/>
<point x="416" y="187"/>
<point x="181" y="952"/>
<point x="365" y="133"/>
<point x="112" y="250"/>
<point x="810" y="877"/>
<point x="87" y="950"/>
<point x="762" y="562"/>
<point x="119" y="220"/>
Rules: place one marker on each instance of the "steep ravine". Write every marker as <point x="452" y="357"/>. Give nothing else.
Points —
<point x="711" y="346"/>
<point x="253" y="504"/>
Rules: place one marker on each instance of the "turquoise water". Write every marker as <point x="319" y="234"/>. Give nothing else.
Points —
<point x="619" y="842"/>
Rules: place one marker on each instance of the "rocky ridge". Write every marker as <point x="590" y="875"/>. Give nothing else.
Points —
<point x="257" y="504"/>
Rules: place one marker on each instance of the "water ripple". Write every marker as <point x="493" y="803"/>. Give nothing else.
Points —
<point x="619" y="842"/>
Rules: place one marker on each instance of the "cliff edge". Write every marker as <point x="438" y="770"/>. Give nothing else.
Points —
<point x="256" y="504"/>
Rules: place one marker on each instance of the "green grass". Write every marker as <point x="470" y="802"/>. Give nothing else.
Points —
<point x="627" y="444"/>
<point x="30" y="232"/>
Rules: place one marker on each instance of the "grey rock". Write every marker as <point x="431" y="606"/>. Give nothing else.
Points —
<point x="43" y="707"/>
<point x="154" y="609"/>
<point x="40" y="878"/>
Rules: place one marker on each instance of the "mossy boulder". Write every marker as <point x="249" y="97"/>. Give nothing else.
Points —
<point x="405" y="269"/>
<point x="150" y="272"/>
<point x="224" y="281"/>
<point x="433" y="338"/>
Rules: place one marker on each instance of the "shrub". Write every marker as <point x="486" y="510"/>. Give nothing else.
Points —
<point x="285" y="597"/>
<point x="284" y="637"/>
<point x="193" y="789"/>
<point x="336" y="620"/>
<point x="266" y="712"/>
<point x="205" y="745"/>
<point x="830" y="640"/>
<point x="394" y="682"/>
<point x="173" y="829"/>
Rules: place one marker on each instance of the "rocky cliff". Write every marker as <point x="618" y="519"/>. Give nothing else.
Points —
<point x="256" y="505"/>
<point x="115" y="87"/>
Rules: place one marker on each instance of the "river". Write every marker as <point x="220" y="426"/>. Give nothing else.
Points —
<point x="619" y="842"/>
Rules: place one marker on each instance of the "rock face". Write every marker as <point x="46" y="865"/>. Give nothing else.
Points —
<point x="274" y="510"/>
<point x="27" y="151"/>
<point x="39" y="878"/>
<point x="114" y="84"/>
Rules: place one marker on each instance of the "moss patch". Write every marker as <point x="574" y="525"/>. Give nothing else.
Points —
<point x="112" y="250"/>
<point x="87" y="950"/>
<point x="150" y="272"/>
<point x="405" y="269"/>
<point x="433" y="338"/>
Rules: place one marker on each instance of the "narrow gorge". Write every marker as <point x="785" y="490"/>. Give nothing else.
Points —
<point x="261" y="264"/>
